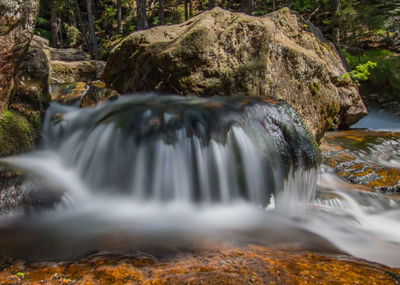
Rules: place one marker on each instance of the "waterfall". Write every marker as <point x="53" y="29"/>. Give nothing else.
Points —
<point x="170" y="148"/>
<point x="158" y="172"/>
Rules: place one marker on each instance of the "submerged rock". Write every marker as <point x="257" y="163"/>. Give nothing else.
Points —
<point x="225" y="53"/>
<point x="364" y="157"/>
<point x="82" y="94"/>
<point x="17" y="21"/>
<point x="227" y="265"/>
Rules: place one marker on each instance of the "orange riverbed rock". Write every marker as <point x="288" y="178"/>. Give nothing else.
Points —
<point x="227" y="265"/>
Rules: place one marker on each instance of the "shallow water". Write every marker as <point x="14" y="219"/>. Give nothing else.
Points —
<point x="379" y="120"/>
<point x="226" y="181"/>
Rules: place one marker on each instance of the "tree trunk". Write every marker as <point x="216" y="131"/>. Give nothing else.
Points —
<point x="246" y="6"/>
<point x="55" y="39"/>
<point x="336" y="9"/>
<point x="92" y="33"/>
<point x="273" y="5"/>
<point x="139" y="21"/>
<point x="243" y="6"/>
<point x="161" y="12"/>
<point x="60" y="31"/>
<point x="212" y="4"/>
<point x="186" y="10"/>
<point x="191" y="8"/>
<point x="83" y="27"/>
<point x="228" y="4"/>
<point x="119" y="16"/>
<point x="144" y="17"/>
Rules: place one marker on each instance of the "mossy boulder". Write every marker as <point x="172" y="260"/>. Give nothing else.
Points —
<point x="17" y="22"/>
<point x="18" y="133"/>
<point x="225" y="53"/>
<point x="21" y="121"/>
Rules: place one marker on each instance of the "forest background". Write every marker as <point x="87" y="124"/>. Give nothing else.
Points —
<point x="367" y="32"/>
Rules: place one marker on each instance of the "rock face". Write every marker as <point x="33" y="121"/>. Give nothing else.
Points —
<point x="225" y="53"/>
<point x="69" y="54"/>
<point x="21" y="121"/>
<point x="31" y="90"/>
<point x="76" y="71"/>
<point x="17" y="21"/>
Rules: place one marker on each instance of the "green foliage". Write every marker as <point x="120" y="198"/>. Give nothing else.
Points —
<point x="362" y="72"/>
<point x="42" y="21"/>
<point x="74" y="36"/>
<point x="304" y="6"/>
<point x="386" y="75"/>
<point x="43" y="33"/>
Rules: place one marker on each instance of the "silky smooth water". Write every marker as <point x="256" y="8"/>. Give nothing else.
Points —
<point x="152" y="173"/>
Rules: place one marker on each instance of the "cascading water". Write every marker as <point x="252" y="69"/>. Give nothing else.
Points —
<point x="174" y="149"/>
<point x="159" y="171"/>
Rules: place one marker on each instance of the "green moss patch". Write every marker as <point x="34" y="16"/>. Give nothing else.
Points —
<point x="17" y="134"/>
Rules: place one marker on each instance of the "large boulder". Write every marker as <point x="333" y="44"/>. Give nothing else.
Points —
<point x="225" y="53"/>
<point x="17" y="22"/>
<point x="31" y="90"/>
<point x="21" y="120"/>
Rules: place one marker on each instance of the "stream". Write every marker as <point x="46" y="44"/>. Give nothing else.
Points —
<point x="152" y="173"/>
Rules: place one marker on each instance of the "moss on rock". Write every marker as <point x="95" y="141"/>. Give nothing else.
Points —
<point x="17" y="133"/>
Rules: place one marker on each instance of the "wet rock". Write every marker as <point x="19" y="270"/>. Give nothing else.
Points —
<point x="82" y="94"/>
<point x="17" y="21"/>
<point x="227" y="265"/>
<point x="364" y="157"/>
<point x="225" y="53"/>
<point x="76" y="71"/>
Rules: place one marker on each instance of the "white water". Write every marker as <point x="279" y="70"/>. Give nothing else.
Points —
<point x="309" y="210"/>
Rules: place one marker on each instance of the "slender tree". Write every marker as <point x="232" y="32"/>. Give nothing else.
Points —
<point x="141" y="15"/>
<point x="246" y="6"/>
<point x="119" y="16"/>
<point x="92" y="32"/>
<point x="54" y="20"/>
<point x="190" y="8"/>
<point x="161" y="12"/>
<point x="144" y="16"/>
<point x="186" y="10"/>
<point x="336" y="9"/>
<point x="212" y="4"/>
